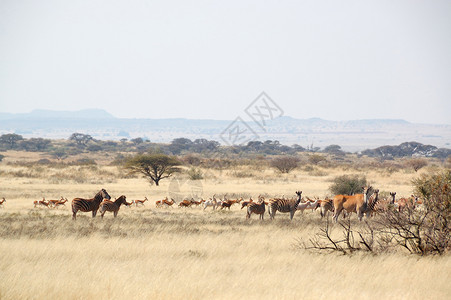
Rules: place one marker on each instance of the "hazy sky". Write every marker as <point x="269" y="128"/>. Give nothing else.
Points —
<point x="335" y="60"/>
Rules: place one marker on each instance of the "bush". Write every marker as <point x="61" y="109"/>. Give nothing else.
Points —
<point x="285" y="164"/>
<point x="195" y="174"/>
<point x="416" y="163"/>
<point x="348" y="185"/>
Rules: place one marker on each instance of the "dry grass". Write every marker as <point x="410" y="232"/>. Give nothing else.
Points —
<point x="149" y="253"/>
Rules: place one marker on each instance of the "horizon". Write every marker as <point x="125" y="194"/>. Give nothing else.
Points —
<point x="172" y="59"/>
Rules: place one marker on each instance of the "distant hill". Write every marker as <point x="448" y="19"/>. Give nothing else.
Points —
<point x="352" y="135"/>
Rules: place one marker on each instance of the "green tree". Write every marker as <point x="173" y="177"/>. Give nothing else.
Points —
<point x="80" y="138"/>
<point x="10" y="140"/>
<point x="153" y="166"/>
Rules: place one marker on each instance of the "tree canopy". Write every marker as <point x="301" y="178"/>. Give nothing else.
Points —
<point x="153" y="166"/>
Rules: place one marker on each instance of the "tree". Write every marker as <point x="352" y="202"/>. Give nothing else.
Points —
<point x="80" y="138"/>
<point x="285" y="164"/>
<point x="10" y="140"/>
<point x="416" y="163"/>
<point x="348" y="184"/>
<point x="137" y="141"/>
<point x="153" y="166"/>
<point x="316" y="159"/>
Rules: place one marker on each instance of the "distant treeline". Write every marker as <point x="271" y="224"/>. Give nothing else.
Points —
<point x="83" y="143"/>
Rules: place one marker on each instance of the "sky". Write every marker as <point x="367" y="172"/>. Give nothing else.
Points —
<point x="336" y="60"/>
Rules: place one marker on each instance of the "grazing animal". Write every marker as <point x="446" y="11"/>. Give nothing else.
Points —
<point x="167" y="203"/>
<point x="140" y="202"/>
<point x="112" y="206"/>
<point x="372" y="203"/>
<point x="357" y="203"/>
<point x="257" y="208"/>
<point x="42" y="202"/>
<point x="2" y="201"/>
<point x="52" y="203"/>
<point x="384" y="204"/>
<point x="407" y="202"/>
<point x="185" y="203"/>
<point x="210" y="202"/>
<point x="197" y="203"/>
<point x="246" y="203"/>
<point x="61" y="202"/>
<point x="326" y="205"/>
<point x="309" y="204"/>
<point x="229" y="203"/>
<point x="284" y="205"/>
<point x="85" y="205"/>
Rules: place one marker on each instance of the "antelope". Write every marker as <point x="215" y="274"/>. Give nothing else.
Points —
<point x="357" y="203"/>
<point x="284" y="205"/>
<point x="61" y="202"/>
<point x="246" y="203"/>
<point x="309" y="204"/>
<point x="384" y="204"/>
<point x="140" y="202"/>
<point x="229" y="203"/>
<point x="210" y="202"/>
<point x="407" y="202"/>
<point x="197" y="203"/>
<point x="185" y="203"/>
<point x="113" y="206"/>
<point x="2" y="201"/>
<point x="167" y="203"/>
<point x="85" y="205"/>
<point x="42" y="202"/>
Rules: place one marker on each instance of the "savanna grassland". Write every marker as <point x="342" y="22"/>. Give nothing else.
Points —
<point x="191" y="253"/>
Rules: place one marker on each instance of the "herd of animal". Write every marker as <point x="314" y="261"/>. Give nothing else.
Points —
<point x="367" y="203"/>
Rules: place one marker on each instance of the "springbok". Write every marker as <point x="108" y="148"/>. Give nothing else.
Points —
<point x="42" y="202"/>
<point x="210" y="202"/>
<point x="2" y="201"/>
<point x="357" y="203"/>
<point x="140" y="202"/>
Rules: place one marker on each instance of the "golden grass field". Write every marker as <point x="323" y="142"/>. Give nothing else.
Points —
<point x="178" y="253"/>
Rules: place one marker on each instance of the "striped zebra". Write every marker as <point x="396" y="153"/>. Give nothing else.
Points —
<point x="257" y="208"/>
<point x="85" y="205"/>
<point x="284" y="205"/>
<point x="112" y="206"/>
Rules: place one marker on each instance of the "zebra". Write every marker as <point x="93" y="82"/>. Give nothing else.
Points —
<point x="257" y="208"/>
<point x="85" y="205"/>
<point x="284" y="205"/>
<point x="112" y="206"/>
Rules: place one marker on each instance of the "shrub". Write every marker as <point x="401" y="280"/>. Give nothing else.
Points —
<point x="285" y="164"/>
<point x="348" y="184"/>
<point x="416" y="163"/>
<point x="195" y="174"/>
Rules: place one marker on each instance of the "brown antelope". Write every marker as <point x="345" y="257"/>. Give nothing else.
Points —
<point x="384" y="204"/>
<point x="256" y="208"/>
<point x="85" y="205"/>
<point x="185" y="203"/>
<point x="357" y="203"/>
<point x="2" y="201"/>
<point x="229" y="203"/>
<point x="42" y="202"/>
<point x="246" y="203"/>
<point x="52" y="203"/>
<point x="61" y="202"/>
<point x="197" y="203"/>
<point x="140" y="202"/>
<point x="407" y="202"/>
<point x="284" y="205"/>
<point x="112" y="206"/>
<point x="167" y="203"/>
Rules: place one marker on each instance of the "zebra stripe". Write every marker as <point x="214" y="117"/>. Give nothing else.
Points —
<point x="284" y="205"/>
<point x="85" y="205"/>
<point x="112" y="206"/>
<point x="256" y="208"/>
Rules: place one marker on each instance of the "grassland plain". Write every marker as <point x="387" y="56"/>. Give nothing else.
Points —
<point x="150" y="253"/>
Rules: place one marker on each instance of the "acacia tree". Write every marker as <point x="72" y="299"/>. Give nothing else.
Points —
<point x="153" y="166"/>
